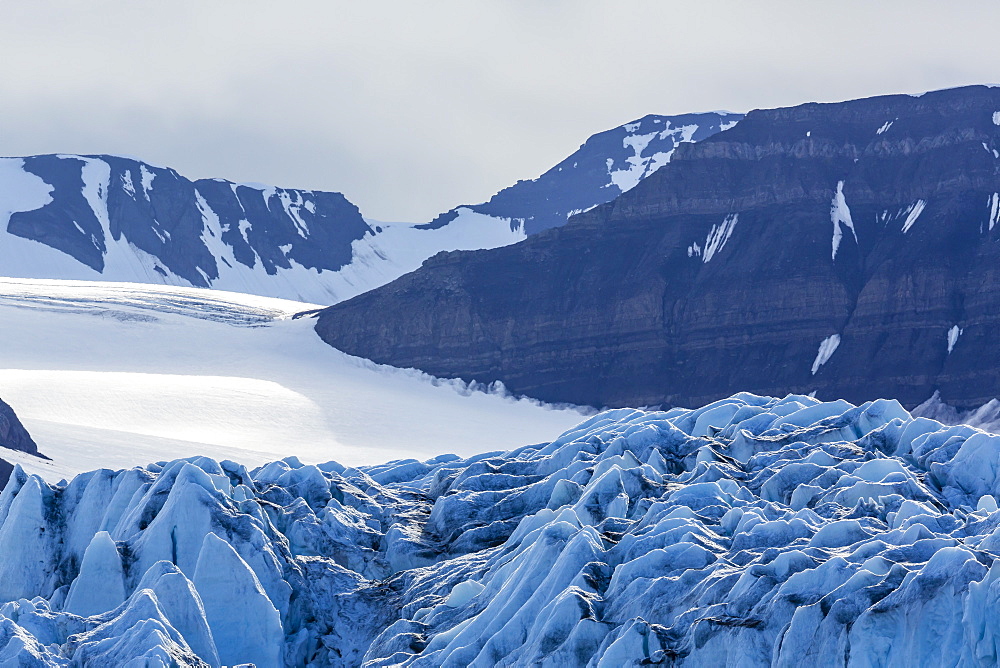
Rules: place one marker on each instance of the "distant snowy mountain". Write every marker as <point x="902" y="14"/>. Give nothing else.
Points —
<point x="605" y="166"/>
<point x="119" y="219"/>
<point x="752" y="532"/>
<point x="113" y="218"/>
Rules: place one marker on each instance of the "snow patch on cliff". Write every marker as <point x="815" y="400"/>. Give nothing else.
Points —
<point x="840" y="214"/>
<point x="718" y="236"/>
<point x="913" y="212"/>
<point x="953" y="335"/>
<point x="827" y="347"/>
<point x="639" y="166"/>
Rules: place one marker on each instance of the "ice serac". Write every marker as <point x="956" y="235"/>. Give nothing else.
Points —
<point x="606" y="165"/>
<point x="884" y="239"/>
<point x="100" y="586"/>
<point x="753" y="531"/>
<point x="226" y="583"/>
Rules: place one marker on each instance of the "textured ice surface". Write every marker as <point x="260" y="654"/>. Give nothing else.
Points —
<point x="752" y="531"/>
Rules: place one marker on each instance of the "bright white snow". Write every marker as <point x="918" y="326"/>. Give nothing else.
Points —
<point x="827" y="347"/>
<point x="840" y="214"/>
<point x="996" y="118"/>
<point x="112" y="375"/>
<point x="953" y="335"/>
<point x="994" y="204"/>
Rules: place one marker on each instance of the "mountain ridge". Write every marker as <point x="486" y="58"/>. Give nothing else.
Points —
<point x="118" y="218"/>
<point x="827" y="225"/>
<point x="606" y="165"/>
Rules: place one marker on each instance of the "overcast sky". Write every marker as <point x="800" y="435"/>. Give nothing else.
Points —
<point x="410" y="108"/>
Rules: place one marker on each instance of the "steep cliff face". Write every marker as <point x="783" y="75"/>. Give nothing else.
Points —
<point x="14" y="436"/>
<point x="850" y="249"/>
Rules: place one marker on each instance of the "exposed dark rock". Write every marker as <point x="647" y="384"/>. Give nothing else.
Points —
<point x="97" y="201"/>
<point x="13" y="435"/>
<point x="718" y="272"/>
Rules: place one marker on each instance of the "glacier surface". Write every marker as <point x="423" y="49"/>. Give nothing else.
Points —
<point x="120" y="374"/>
<point x="752" y="531"/>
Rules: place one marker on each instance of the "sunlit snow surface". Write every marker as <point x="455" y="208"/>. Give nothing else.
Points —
<point x="113" y="375"/>
<point x="751" y="532"/>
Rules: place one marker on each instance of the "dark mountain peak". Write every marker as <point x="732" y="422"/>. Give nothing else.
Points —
<point x="607" y="164"/>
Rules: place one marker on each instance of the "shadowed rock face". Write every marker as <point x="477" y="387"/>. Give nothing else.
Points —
<point x="851" y="249"/>
<point x="13" y="435"/>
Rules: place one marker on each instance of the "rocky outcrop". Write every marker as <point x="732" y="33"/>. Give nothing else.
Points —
<point x="13" y="435"/>
<point x="846" y="249"/>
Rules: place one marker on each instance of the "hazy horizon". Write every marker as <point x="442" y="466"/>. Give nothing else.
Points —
<point x="410" y="110"/>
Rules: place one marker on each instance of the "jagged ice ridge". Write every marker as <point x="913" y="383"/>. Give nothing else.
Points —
<point x="752" y="531"/>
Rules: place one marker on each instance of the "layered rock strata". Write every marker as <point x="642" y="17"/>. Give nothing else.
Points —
<point x="847" y="249"/>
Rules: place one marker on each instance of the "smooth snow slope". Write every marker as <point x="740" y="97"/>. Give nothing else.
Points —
<point x="751" y="532"/>
<point x="112" y="375"/>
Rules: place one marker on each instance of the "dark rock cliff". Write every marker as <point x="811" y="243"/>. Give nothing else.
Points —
<point x="851" y="249"/>
<point x="13" y="435"/>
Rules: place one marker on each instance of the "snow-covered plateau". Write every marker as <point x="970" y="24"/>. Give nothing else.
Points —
<point x="752" y="531"/>
<point x="115" y="375"/>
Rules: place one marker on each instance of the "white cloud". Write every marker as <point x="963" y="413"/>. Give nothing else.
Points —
<point x="412" y="108"/>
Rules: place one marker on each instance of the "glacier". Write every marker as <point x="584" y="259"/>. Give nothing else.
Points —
<point x="116" y="375"/>
<point x="751" y="531"/>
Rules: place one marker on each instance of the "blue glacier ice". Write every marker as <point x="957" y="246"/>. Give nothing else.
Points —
<point x="753" y="531"/>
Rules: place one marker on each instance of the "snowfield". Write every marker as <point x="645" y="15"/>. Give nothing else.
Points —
<point x="752" y="532"/>
<point x="117" y="375"/>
